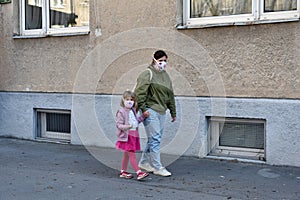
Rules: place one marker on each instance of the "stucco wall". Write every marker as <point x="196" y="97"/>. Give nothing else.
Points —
<point x="253" y="61"/>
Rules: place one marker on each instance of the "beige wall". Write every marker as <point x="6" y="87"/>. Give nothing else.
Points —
<point x="253" y="61"/>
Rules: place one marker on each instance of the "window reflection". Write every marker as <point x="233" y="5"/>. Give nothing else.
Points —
<point x="280" y="5"/>
<point x="62" y="13"/>
<point x="69" y="13"/>
<point x="209" y="8"/>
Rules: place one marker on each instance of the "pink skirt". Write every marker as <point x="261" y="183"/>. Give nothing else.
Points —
<point x="133" y="143"/>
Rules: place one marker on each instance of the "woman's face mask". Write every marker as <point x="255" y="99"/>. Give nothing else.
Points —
<point x="161" y="64"/>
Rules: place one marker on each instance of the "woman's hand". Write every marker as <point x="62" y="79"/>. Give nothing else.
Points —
<point x="146" y="114"/>
<point x="173" y="119"/>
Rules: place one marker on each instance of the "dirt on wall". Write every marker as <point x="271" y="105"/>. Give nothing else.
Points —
<point x="251" y="61"/>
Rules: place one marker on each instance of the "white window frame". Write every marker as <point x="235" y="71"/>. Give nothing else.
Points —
<point x="46" y="30"/>
<point x="256" y="17"/>
<point x="279" y="15"/>
<point x="44" y="134"/>
<point x="214" y="135"/>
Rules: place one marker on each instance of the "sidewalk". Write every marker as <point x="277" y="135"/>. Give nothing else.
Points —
<point x="38" y="170"/>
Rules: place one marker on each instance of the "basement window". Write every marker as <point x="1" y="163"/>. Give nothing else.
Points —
<point x="53" y="125"/>
<point x="240" y="138"/>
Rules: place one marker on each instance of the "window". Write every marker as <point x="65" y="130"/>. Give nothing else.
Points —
<point x="53" y="125"/>
<point x="54" y="17"/>
<point x="223" y="12"/>
<point x="237" y="137"/>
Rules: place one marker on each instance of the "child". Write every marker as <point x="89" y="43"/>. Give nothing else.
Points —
<point x="128" y="135"/>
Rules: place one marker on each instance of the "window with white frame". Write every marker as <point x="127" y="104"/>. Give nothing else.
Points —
<point x="54" y="17"/>
<point x="53" y="124"/>
<point x="236" y="137"/>
<point x="219" y="12"/>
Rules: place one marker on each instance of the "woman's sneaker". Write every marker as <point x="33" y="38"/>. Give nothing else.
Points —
<point x="142" y="175"/>
<point x="126" y="175"/>
<point x="162" y="172"/>
<point x="147" y="167"/>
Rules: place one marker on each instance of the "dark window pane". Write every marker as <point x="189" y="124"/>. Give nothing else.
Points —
<point x="33" y="14"/>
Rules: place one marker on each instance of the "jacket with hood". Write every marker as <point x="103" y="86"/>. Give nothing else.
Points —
<point x="122" y="123"/>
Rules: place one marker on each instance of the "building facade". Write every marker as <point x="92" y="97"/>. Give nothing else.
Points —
<point x="235" y="67"/>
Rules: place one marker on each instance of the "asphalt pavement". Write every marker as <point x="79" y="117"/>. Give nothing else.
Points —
<point x="41" y="170"/>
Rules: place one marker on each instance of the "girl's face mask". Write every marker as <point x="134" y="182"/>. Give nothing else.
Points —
<point x="128" y="103"/>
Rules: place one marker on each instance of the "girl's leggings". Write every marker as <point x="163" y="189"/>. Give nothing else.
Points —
<point x="129" y="155"/>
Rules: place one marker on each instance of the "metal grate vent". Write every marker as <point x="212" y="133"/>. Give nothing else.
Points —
<point x="247" y="135"/>
<point x="237" y="137"/>
<point x="57" y="122"/>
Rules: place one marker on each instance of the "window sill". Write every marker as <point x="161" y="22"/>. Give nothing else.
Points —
<point x="235" y="159"/>
<point x="194" y="26"/>
<point x="52" y="35"/>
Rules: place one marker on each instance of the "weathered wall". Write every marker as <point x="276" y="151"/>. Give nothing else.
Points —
<point x="257" y="62"/>
<point x="93" y="121"/>
<point x="253" y="61"/>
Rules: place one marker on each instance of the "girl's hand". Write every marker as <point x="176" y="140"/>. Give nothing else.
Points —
<point x="129" y="127"/>
<point x="146" y="114"/>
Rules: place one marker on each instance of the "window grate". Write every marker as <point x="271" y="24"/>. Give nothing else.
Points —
<point x="57" y="122"/>
<point x="53" y="124"/>
<point x="237" y="137"/>
<point x="242" y="135"/>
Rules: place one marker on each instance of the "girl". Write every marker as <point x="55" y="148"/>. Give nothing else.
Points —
<point x="128" y="135"/>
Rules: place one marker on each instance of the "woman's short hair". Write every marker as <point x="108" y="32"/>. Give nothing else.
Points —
<point x="159" y="54"/>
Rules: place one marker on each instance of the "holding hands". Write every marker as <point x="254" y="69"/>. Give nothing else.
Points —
<point x="173" y="119"/>
<point x="146" y="114"/>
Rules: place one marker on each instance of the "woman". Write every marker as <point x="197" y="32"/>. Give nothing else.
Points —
<point x="155" y="94"/>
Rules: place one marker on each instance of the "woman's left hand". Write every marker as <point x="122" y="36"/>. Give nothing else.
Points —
<point x="146" y="114"/>
<point x="173" y="119"/>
